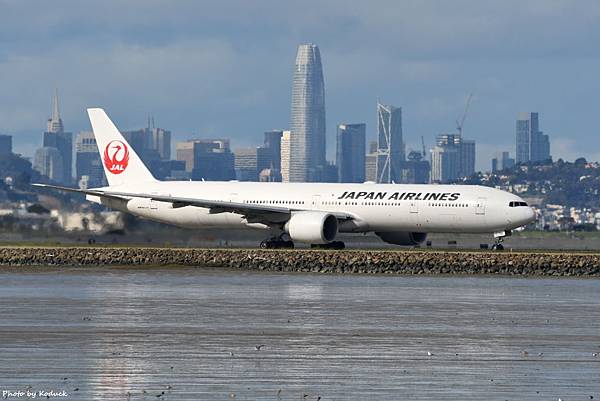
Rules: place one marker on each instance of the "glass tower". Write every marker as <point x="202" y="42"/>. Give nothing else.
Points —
<point x="307" y="125"/>
<point x="390" y="145"/>
<point x="351" y="152"/>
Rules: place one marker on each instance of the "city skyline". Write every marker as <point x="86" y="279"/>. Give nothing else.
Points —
<point x="212" y="74"/>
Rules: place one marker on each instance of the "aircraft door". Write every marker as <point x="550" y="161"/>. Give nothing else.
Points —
<point x="316" y="202"/>
<point x="480" y="207"/>
<point x="153" y="203"/>
<point x="414" y="206"/>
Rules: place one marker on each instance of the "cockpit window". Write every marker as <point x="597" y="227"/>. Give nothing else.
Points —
<point x="516" y="204"/>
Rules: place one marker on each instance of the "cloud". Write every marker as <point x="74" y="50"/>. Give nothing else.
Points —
<point x="225" y="68"/>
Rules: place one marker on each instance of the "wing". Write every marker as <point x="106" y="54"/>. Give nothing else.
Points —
<point x="252" y="212"/>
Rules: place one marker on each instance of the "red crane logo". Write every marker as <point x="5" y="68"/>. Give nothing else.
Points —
<point x="116" y="157"/>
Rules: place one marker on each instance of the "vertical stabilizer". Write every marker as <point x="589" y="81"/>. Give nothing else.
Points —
<point x="121" y="164"/>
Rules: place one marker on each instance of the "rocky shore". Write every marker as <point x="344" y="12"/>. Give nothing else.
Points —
<point x="410" y="262"/>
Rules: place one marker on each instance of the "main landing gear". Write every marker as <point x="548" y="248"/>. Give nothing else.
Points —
<point x="330" y="245"/>
<point x="277" y="243"/>
<point x="499" y="238"/>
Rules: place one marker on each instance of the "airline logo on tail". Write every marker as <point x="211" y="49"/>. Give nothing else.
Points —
<point x="116" y="157"/>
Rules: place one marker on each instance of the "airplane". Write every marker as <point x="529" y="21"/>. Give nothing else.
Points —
<point x="310" y="213"/>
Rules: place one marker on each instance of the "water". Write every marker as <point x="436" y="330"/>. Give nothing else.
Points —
<point x="193" y="333"/>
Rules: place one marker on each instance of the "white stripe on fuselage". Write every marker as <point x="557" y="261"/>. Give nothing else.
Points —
<point x="377" y="207"/>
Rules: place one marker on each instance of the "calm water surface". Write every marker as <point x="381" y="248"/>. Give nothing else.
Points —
<point x="204" y="334"/>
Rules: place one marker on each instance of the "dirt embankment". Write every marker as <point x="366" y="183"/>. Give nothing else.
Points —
<point x="361" y="262"/>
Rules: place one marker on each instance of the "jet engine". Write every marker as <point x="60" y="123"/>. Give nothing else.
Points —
<point x="312" y="227"/>
<point x="403" y="238"/>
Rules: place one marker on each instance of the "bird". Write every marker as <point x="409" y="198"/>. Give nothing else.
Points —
<point x="429" y="353"/>
<point x="230" y="353"/>
<point x="258" y="347"/>
<point x="595" y="354"/>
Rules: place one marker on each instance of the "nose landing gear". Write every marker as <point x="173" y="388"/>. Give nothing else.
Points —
<point x="499" y="238"/>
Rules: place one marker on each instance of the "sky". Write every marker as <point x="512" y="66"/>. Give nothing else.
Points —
<point x="224" y="68"/>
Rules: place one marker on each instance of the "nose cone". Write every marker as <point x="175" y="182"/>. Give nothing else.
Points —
<point x="529" y="215"/>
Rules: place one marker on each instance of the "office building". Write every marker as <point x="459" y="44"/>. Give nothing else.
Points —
<point x="307" y="123"/>
<point x="285" y="155"/>
<point x="184" y="151"/>
<point x="371" y="163"/>
<point x="269" y="155"/>
<point x="56" y="137"/>
<point x="466" y="158"/>
<point x="5" y="145"/>
<point x="169" y="170"/>
<point x="246" y="164"/>
<point x="48" y="162"/>
<point x="87" y="161"/>
<point x="207" y="159"/>
<point x="141" y="140"/>
<point x="153" y="146"/>
<point x="328" y="173"/>
<point x="390" y="145"/>
<point x="502" y="161"/>
<point x="350" y="154"/>
<point x="532" y="145"/>
<point x="416" y="169"/>
<point x="453" y="157"/>
<point x="161" y="141"/>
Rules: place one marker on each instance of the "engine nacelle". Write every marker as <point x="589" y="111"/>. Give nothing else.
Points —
<point x="312" y="227"/>
<point x="403" y="238"/>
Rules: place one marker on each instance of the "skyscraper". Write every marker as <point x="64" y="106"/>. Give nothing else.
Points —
<point x="531" y="143"/>
<point x="207" y="159"/>
<point x="350" y="155"/>
<point x="390" y="146"/>
<point x="416" y="169"/>
<point x="161" y="141"/>
<point x="285" y="156"/>
<point x="48" y="161"/>
<point x="307" y="146"/>
<point x="271" y="157"/>
<point x="56" y="137"/>
<point x="87" y="160"/>
<point x="371" y="163"/>
<point x="502" y="161"/>
<point x="246" y="164"/>
<point x="5" y="145"/>
<point x="453" y="157"/>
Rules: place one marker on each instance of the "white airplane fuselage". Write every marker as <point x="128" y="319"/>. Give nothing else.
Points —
<point x="375" y="207"/>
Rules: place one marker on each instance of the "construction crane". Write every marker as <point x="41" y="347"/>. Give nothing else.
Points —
<point x="461" y="123"/>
